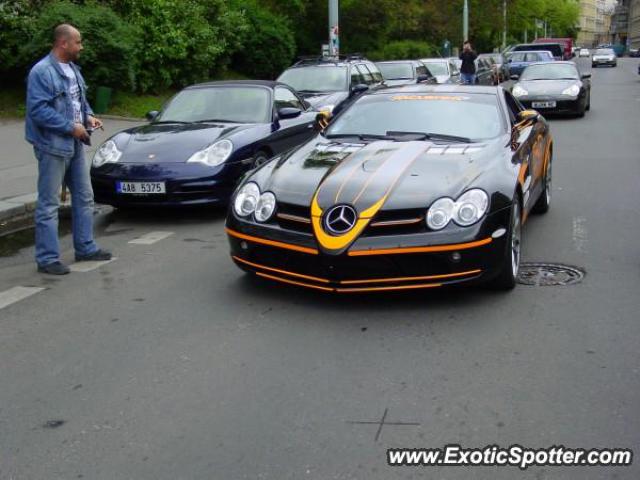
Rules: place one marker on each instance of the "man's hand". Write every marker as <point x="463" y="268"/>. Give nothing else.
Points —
<point x="94" y="122"/>
<point x="79" y="132"/>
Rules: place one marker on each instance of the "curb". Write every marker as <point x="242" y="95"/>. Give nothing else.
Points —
<point x="17" y="212"/>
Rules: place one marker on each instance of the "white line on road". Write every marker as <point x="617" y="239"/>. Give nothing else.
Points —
<point x="151" y="238"/>
<point x="84" y="267"/>
<point x="580" y="234"/>
<point x="15" y="294"/>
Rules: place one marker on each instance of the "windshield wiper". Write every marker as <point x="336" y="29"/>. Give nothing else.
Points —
<point x="313" y="91"/>
<point x="430" y="136"/>
<point x="361" y="136"/>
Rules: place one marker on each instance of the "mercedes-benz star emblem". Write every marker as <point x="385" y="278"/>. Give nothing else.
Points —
<point x="340" y="219"/>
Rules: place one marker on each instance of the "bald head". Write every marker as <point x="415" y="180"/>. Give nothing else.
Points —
<point x="67" y="42"/>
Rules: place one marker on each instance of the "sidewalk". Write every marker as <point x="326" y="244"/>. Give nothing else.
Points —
<point x="18" y="166"/>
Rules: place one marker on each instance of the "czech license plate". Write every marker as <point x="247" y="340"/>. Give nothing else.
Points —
<point x="543" y="104"/>
<point x="141" y="188"/>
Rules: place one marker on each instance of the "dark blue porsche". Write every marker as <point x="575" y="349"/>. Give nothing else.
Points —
<point x="205" y="138"/>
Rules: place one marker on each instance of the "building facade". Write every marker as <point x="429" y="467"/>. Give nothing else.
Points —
<point x="588" y="23"/>
<point x="633" y="38"/>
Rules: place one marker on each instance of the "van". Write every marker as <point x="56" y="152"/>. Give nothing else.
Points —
<point x="567" y="44"/>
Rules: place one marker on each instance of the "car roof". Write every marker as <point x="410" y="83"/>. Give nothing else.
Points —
<point x="532" y="51"/>
<point x="434" y="60"/>
<point x="239" y="83"/>
<point x="399" y="61"/>
<point x="341" y="61"/>
<point x="442" y="88"/>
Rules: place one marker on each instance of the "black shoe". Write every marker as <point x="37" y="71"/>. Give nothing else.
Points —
<point x="55" y="268"/>
<point x="97" y="256"/>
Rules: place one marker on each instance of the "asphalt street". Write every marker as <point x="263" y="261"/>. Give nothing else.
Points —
<point x="169" y="363"/>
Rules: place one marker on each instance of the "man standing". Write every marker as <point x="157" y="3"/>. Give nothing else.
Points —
<point x="468" y="67"/>
<point x="58" y="115"/>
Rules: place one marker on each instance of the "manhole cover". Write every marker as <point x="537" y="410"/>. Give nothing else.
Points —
<point x="549" y="274"/>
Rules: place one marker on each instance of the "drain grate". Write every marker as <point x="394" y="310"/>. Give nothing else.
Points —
<point x="549" y="274"/>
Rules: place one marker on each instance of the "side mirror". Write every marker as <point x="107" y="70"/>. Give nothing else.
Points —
<point x="152" y="115"/>
<point x="322" y="121"/>
<point x="528" y="116"/>
<point x="510" y="60"/>
<point x="359" y="88"/>
<point x="423" y="78"/>
<point x="585" y="75"/>
<point x="289" y="112"/>
<point x="514" y="77"/>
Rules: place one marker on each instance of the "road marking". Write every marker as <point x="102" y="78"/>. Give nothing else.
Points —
<point x="151" y="238"/>
<point x="84" y="267"/>
<point x="580" y="234"/>
<point x="15" y="294"/>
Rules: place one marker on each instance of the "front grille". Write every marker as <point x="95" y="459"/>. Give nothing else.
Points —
<point x="294" y="218"/>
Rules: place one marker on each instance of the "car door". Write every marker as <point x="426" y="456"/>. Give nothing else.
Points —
<point x="454" y="73"/>
<point x="290" y="132"/>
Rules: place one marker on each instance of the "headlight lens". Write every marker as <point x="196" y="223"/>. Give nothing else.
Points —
<point x="467" y="210"/>
<point x="439" y="215"/>
<point x="214" y="154"/>
<point x="107" y="153"/>
<point x="573" y="90"/>
<point x="247" y="200"/>
<point x="518" y="91"/>
<point x="266" y="206"/>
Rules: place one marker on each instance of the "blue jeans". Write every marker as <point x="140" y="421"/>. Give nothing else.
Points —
<point x="468" y="78"/>
<point x="74" y="170"/>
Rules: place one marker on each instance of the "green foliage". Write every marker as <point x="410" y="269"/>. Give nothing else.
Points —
<point x="15" y="28"/>
<point x="404" y="50"/>
<point x="109" y="44"/>
<point x="269" y="47"/>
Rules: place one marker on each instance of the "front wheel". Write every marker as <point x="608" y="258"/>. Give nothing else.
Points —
<point x="544" y="202"/>
<point x="506" y="279"/>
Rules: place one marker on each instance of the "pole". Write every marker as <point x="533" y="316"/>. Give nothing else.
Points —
<point x="465" y="21"/>
<point x="334" y="32"/>
<point x="504" y="24"/>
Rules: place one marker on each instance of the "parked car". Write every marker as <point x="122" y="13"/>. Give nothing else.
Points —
<point x="405" y="72"/>
<point x="485" y="72"/>
<point x="499" y="64"/>
<point x="604" y="56"/>
<point x="584" y="52"/>
<point x="205" y="138"/>
<point x="566" y="42"/>
<point x="555" y="87"/>
<point x="634" y="52"/>
<point x="330" y="84"/>
<point x="518" y="61"/>
<point x="444" y="69"/>
<point x="434" y="192"/>
<point x="557" y="50"/>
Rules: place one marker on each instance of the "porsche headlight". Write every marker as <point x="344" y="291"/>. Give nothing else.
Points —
<point x="266" y="206"/>
<point x="518" y="91"/>
<point x="247" y="200"/>
<point x="214" y="154"/>
<point x="467" y="210"/>
<point x="573" y="90"/>
<point x="439" y="215"/>
<point x="470" y="207"/>
<point x="107" y="153"/>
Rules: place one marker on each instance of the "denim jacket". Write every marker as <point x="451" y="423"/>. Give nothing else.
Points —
<point x="49" y="119"/>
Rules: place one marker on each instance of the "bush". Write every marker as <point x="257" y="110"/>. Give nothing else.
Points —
<point x="15" y="27"/>
<point x="108" y="57"/>
<point x="404" y="50"/>
<point x="269" y="48"/>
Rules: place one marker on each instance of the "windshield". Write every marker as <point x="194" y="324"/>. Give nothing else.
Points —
<point x="437" y="68"/>
<point x="550" y="71"/>
<point x="316" y="79"/>
<point x="475" y="116"/>
<point x="396" y="71"/>
<point x="232" y="104"/>
<point x="604" y="51"/>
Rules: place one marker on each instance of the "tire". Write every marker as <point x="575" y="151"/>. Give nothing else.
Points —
<point x="544" y="202"/>
<point x="506" y="279"/>
<point x="260" y="159"/>
<point x="581" y="109"/>
<point x="588" y="101"/>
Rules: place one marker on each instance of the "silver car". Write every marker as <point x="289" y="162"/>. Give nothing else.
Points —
<point x="444" y="69"/>
<point x="604" y="56"/>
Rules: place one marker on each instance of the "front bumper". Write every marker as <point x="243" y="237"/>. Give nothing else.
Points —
<point x="373" y="264"/>
<point x="186" y="184"/>
<point x="598" y="62"/>
<point x="563" y="104"/>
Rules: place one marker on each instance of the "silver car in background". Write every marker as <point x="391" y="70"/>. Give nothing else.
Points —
<point x="604" y="56"/>
<point x="444" y="69"/>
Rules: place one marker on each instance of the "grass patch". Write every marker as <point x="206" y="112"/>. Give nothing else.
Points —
<point x="12" y="102"/>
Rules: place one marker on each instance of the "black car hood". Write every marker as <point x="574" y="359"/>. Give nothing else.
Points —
<point x="547" y="87"/>
<point x="170" y="143"/>
<point x="333" y="98"/>
<point x="401" y="175"/>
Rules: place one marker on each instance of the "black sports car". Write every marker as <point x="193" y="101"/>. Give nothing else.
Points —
<point x="412" y="187"/>
<point x="205" y="138"/>
<point x="554" y="87"/>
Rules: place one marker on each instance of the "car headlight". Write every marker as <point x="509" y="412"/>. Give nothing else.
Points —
<point x="518" y="91"/>
<point x="266" y="206"/>
<point x="214" y="154"/>
<point x="573" y="90"/>
<point x="107" y="153"/>
<point x="439" y="215"/>
<point x="467" y="210"/>
<point x="247" y="200"/>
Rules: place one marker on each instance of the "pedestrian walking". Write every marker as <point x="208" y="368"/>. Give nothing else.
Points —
<point x="468" y="67"/>
<point x="58" y="124"/>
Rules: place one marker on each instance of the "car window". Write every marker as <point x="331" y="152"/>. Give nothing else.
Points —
<point x="513" y="106"/>
<point x="453" y="68"/>
<point x="396" y="71"/>
<point x="321" y="78"/>
<point x="356" y="78"/>
<point x="422" y="70"/>
<point x="377" y="75"/>
<point x="285" y="98"/>
<point x="366" y="74"/>
<point x="550" y="71"/>
<point x="518" y="57"/>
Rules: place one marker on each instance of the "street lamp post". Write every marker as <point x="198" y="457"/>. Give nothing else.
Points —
<point x="504" y="24"/>
<point x="334" y="32"/>
<point x="465" y="21"/>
